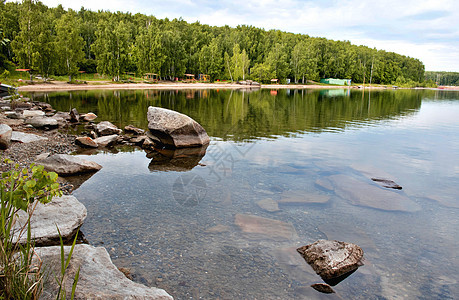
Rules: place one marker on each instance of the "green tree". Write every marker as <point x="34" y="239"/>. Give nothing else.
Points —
<point x="277" y="61"/>
<point x="69" y="44"/>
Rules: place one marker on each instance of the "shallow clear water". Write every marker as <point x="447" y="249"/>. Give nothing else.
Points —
<point x="176" y="224"/>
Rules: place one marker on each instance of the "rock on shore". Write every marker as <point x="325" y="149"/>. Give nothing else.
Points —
<point x="64" y="164"/>
<point x="99" y="278"/>
<point x="66" y="212"/>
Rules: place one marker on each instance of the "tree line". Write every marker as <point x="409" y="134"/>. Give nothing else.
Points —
<point x="55" y="41"/>
<point x="443" y="78"/>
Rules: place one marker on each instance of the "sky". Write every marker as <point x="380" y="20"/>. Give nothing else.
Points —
<point x="423" y="29"/>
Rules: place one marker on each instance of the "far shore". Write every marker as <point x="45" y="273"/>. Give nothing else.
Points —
<point x="106" y="85"/>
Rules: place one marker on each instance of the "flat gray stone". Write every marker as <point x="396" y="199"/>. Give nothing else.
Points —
<point x="5" y="136"/>
<point x="175" y="129"/>
<point x="32" y="113"/>
<point x="99" y="278"/>
<point x="23" y="137"/>
<point x="107" y="140"/>
<point x="66" y="212"/>
<point x="64" y="164"/>
<point x="43" y="122"/>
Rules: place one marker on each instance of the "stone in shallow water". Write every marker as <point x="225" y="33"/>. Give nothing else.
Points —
<point x="66" y="212"/>
<point x="265" y="227"/>
<point x="268" y="204"/>
<point x="107" y="140"/>
<point x="302" y="197"/>
<point x="387" y="183"/>
<point x="175" y="129"/>
<point x="332" y="259"/>
<point x="323" y="288"/>
<point x="99" y="278"/>
<point x="86" y="141"/>
<point x="364" y="194"/>
<point x="107" y="128"/>
<point x="218" y="229"/>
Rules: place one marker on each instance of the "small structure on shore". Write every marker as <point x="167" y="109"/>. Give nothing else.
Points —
<point x="336" y="81"/>
<point x="151" y="77"/>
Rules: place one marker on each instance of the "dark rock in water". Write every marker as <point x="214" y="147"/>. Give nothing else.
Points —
<point x="138" y="140"/>
<point x="5" y="136"/>
<point x="74" y="115"/>
<point x="174" y="129"/>
<point x="107" y="128"/>
<point x="323" y="288"/>
<point x="64" y="164"/>
<point x="387" y="183"/>
<point x="332" y="259"/>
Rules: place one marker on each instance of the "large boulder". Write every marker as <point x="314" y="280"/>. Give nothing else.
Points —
<point x="107" y="128"/>
<point x="174" y="129"/>
<point x="332" y="259"/>
<point x="99" y="278"/>
<point x="64" y="164"/>
<point x="66" y="212"/>
<point x="5" y="136"/>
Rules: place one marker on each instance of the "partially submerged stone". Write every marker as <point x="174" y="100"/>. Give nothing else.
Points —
<point x="99" y="278"/>
<point x="107" y="128"/>
<point x="74" y="115"/>
<point x="133" y="130"/>
<point x="323" y="288"/>
<point x="387" y="183"/>
<point x="66" y="212"/>
<point x="5" y="136"/>
<point x="107" y="140"/>
<point x="265" y="227"/>
<point x="89" y="116"/>
<point x="332" y="259"/>
<point x="174" y="129"/>
<point x="23" y="137"/>
<point x="86" y="141"/>
<point x="361" y="193"/>
<point x="64" y="164"/>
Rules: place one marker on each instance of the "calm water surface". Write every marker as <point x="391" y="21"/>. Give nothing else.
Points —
<point x="174" y="222"/>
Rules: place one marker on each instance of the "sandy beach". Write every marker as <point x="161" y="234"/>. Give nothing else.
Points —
<point x="94" y="85"/>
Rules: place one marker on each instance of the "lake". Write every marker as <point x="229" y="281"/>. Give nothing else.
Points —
<point x="299" y="164"/>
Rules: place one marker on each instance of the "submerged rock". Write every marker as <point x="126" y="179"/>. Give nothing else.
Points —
<point x="5" y="136"/>
<point x="86" y="141"/>
<point x="268" y="204"/>
<point x="302" y="197"/>
<point x="99" y="278"/>
<point x="332" y="259"/>
<point x="361" y="193"/>
<point x="174" y="129"/>
<point x="66" y="212"/>
<point x="64" y="164"/>
<point x="265" y="227"/>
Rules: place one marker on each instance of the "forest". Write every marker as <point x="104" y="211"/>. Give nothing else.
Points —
<point x="54" y="41"/>
<point x="443" y="78"/>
